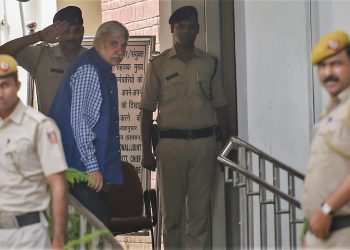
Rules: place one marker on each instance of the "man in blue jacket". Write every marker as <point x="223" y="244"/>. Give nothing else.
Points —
<point x="86" y="111"/>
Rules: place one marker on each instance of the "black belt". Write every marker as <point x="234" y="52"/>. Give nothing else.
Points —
<point x="187" y="134"/>
<point x="340" y="222"/>
<point x="11" y="222"/>
<point x="28" y="219"/>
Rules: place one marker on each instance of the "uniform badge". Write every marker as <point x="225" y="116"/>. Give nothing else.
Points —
<point x="4" y="66"/>
<point x="334" y="45"/>
<point x="52" y="137"/>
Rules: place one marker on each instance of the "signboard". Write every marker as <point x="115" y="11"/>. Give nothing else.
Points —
<point x="130" y="75"/>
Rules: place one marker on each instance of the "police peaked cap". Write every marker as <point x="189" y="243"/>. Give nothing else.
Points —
<point x="183" y="13"/>
<point x="329" y="45"/>
<point x="70" y="14"/>
<point x="8" y="66"/>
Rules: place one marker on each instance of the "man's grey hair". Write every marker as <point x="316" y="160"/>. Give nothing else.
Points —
<point x="110" y="28"/>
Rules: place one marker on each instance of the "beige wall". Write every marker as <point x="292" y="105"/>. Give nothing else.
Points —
<point x="91" y="13"/>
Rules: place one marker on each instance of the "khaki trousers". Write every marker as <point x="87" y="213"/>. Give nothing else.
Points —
<point x="186" y="171"/>
<point x="339" y="239"/>
<point x="28" y="237"/>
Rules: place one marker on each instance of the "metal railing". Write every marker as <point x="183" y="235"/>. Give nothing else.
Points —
<point x="270" y="215"/>
<point x="82" y="222"/>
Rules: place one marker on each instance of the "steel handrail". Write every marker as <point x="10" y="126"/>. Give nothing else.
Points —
<point x="258" y="180"/>
<point x="241" y="173"/>
<point x="242" y="143"/>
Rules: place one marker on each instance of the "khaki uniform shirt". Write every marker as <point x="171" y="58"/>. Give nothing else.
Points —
<point x="47" y="66"/>
<point x="30" y="150"/>
<point x="329" y="160"/>
<point x="185" y="92"/>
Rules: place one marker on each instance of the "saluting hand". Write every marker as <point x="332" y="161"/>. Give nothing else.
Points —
<point x="51" y="33"/>
<point x="97" y="180"/>
<point x="320" y="224"/>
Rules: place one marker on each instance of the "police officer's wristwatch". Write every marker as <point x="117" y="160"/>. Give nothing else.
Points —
<point x="327" y="209"/>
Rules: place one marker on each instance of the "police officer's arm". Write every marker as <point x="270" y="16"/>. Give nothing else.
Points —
<point x="149" y="98"/>
<point x="320" y="222"/>
<point x="49" y="35"/>
<point x="50" y="152"/>
<point x="59" y="206"/>
<point x="148" y="159"/>
<point x="221" y="116"/>
<point x="341" y="195"/>
<point x="219" y="103"/>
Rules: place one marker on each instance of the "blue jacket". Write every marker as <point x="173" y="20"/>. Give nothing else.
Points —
<point x="107" y="143"/>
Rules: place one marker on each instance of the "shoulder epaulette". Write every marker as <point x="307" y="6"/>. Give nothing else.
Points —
<point x="160" y="55"/>
<point x="35" y="115"/>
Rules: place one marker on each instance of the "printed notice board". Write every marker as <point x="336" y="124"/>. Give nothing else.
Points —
<point x="130" y="74"/>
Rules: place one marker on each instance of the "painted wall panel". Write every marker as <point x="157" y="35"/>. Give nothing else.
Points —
<point x="276" y="63"/>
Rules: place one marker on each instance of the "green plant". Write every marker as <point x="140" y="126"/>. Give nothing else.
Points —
<point x="75" y="176"/>
<point x="86" y="239"/>
<point x="73" y="227"/>
<point x="304" y="230"/>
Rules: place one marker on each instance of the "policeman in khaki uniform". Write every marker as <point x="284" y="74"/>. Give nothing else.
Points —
<point x="48" y="63"/>
<point x="31" y="157"/>
<point x="180" y="83"/>
<point x="326" y="191"/>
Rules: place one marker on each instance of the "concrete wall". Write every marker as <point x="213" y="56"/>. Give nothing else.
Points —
<point x="280" y="96"/>
<point x="274" y="114"/>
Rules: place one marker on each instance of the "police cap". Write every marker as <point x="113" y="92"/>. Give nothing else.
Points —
<point x="329" y="45"/>
<point x="8" y="66"/>
<point x="70" y="14"/>
<point x="183" y="13"/>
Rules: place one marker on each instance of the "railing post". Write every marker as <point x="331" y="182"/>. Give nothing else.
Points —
<point x="250" y="211"/>
<point x="83" y="230"/>
<point x="263" y="215"/>
<point x="277" y="207"/>
<point x="243" y="198"/>
<point x="292" y="216"/>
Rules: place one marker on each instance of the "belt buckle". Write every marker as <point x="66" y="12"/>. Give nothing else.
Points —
<point x="8" y="222"/>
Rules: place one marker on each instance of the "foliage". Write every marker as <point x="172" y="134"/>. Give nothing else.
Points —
<point x="75" y="176"/>
<point x="73" y="227"/>
<point x="86" y="239"/>
<point x="304" y="231"/>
